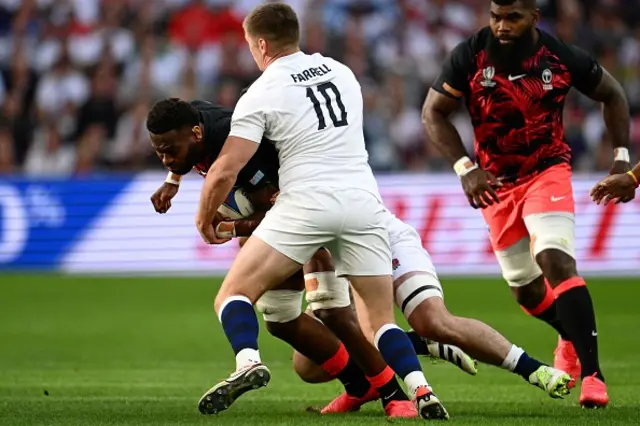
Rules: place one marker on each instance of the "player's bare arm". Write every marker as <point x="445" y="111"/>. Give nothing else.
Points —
<point x="620" y="187"/>
<point x="161" y="199"/>
<point x="219" y="181"/>
<point x="615" y="110"/>
<point x="479" y="186"/>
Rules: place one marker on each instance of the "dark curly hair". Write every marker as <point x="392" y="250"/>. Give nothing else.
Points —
<point x="171" y="114"/>
<point x="528" y="4"/>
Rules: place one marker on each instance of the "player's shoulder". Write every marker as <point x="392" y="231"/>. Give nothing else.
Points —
<point x="563" y="50"/>
<point x="478" y="41"/>
<point x="468" y="49"/>
<point x="206" y="107"/>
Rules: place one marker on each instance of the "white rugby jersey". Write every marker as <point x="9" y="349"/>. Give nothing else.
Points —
<point x="311" y="107"/>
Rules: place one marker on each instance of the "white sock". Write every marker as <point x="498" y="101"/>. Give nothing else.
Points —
<point x="247" y="357"/>
<point x="414" y="380"/>
<point x="512" y="358"/>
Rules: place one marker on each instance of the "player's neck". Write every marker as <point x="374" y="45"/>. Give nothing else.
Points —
<point x="286" y="52"/>
<point x="536" y="36"/>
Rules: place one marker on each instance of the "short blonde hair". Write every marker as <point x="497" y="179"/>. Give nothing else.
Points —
<point x="277" y="23"/>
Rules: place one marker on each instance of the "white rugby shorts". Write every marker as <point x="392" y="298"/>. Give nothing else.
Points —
<point x="350" y="223"/>
<point x="410" y="256"/>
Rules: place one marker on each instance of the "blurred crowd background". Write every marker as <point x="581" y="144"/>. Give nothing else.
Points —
<point x="78" y="76"/>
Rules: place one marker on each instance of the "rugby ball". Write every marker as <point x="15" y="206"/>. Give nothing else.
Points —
<point x="237" y="205"/>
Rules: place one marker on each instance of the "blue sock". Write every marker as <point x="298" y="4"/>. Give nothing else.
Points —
<point x="526" y="366"/>
<point x="240" y="323"/>
<point x="397" y="350"/>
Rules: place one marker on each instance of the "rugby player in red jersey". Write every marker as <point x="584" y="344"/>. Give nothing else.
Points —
<point x="514" y="79"/>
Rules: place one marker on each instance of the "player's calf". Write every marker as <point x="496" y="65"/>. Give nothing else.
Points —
<point x="257" y="269"/>
<point x="282" y="312"/>
<point x="416" y="291"/>
<point x="432" y="320"/>
<point x="532" y="292"/>
<point x="329" y="300"/>
<point x="538" y="300"/>
<point x="393" y="343"/>
<point x="554" y="250"/>
<point x="308" y="371"/>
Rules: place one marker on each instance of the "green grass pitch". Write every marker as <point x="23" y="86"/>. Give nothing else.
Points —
<point x="141" y="351"/>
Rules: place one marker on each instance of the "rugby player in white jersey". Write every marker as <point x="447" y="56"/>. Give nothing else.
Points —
<point x="311" y="107"/>
<point x="199" y="129"/>
<point x="189" y="136"/>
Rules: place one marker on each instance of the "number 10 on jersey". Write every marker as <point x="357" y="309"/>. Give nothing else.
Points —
<point x="323" y="89"/>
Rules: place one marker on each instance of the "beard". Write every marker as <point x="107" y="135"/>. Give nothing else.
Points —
<point x="509" y="56"/>
<point x="194" y="154"/>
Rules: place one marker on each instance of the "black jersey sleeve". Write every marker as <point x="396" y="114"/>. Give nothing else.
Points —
<point x="586" y="72"/>
<point x="454" y="78"/>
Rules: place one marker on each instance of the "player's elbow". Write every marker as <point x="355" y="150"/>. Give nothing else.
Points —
<point x="431" y="112"/>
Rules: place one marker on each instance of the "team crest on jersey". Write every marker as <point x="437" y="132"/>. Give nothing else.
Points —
<point x="547" y="78"/>
<point x="488" y="73"/>
<point x="395" y="264"/>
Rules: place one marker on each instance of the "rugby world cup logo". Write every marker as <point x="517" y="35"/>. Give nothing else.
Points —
<point x="488" y="73"/>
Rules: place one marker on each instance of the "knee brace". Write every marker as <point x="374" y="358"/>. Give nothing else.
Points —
<point x="518" y="265"/>
<point x="326" y="291"/>
<point x="280" y="305"/>
<point x="552" y="231"/>
<point x="415" y="290"/>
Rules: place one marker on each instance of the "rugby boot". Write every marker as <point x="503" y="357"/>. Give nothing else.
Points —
<point x="221" y="396"/>
<point x="566" y="359"/>
<point x="401" y="410"/>
<point x="428" y="404"/>
<point x="554" y="382"/>
<point x="346" y="403"/>
<point x="593" y="393"/>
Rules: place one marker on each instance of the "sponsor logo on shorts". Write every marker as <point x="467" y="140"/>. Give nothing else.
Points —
<point x="395" y="264"/>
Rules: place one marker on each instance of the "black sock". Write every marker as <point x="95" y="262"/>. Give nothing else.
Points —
<point x="391" y="391"/>
<point x="550" y="316"/>
<point x="354" y="380"/>
<point x="419" y="344"/>
<point x="526" y="366"/>
<point x="575" y="310"/>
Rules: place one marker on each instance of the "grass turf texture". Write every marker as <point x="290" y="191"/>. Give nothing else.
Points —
<point x="141" y="351"/>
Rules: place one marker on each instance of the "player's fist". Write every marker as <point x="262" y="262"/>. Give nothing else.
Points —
<point x="620" y="187"/>
<point x="480" y="188"/>
<point x="161" y="199"/>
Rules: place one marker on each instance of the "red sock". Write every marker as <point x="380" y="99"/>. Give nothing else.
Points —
<point x="334" y="365"/>
<point x="547" y="311"/>
<point x="388" y="387"/>
<point x="569" y="284"/>
<point x="382" y="378"/>
<point x="545" y="304"/>
<point x="342" y="367"/>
